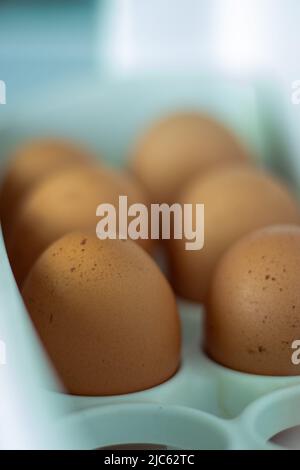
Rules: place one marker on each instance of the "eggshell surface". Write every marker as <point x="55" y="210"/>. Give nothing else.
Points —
<point x="253" y="313"/>
<point x="176" y="148"/>
<point x="32" y="162"/>
<point x="237" y="200"/>
<point x="65" y="202"/>
<point x="92" y="304"/>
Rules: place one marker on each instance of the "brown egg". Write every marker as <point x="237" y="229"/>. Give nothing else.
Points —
<point x="237" y="200"/>
<point x="92" y="304"/>
<point x="253" y="313"/>
<point x="31" y="163"/>
<point x="176" y="148"/>
<point x="64" y="202"/>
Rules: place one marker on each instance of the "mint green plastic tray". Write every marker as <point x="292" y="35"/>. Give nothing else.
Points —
<point x="204" y="406"/>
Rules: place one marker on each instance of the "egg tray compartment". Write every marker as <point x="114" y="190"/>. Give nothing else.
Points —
<point x="204" y="405"/>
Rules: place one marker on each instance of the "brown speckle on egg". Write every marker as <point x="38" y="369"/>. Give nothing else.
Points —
<point x="110" y="334"/>
<point x="235" y="331"/>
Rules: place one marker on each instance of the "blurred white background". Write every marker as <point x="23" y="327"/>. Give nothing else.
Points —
<point x="240" y="36"/>
<point x="49" y="40"/>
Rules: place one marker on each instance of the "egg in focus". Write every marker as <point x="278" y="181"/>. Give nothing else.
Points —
<point x="237" y="200"/>
<point x="175" y="148"/>
<point x="93" y="307"/>
<point x="32" y="162"/>
<point x="253" y="312"/>
<point x="65" y="202"/>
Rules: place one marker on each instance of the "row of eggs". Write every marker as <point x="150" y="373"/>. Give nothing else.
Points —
<point x="103" y="309"/>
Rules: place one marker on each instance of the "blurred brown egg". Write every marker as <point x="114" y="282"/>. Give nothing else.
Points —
<point x="253" y="313"/>
<point x="64" y="202"/>
<point x="237" y="200"/>
<point x="92" y="304"/>
<point x="31" y="163"/>
<point x="178" y="147"/>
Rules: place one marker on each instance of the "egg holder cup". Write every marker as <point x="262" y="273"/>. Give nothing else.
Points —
<point x="204" y="405"/>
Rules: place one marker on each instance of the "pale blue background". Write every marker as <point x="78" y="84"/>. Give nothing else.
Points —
<point x="43" y="42"/>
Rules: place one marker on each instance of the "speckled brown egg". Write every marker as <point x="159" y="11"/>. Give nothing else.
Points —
<point x="64" y="202"/>
<point x="237" y="200"/>
<point x="32" y="162"/>
<point x="92" y="304"/>
<point x="176" y="148"/>
<point x="253" y="313"/>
